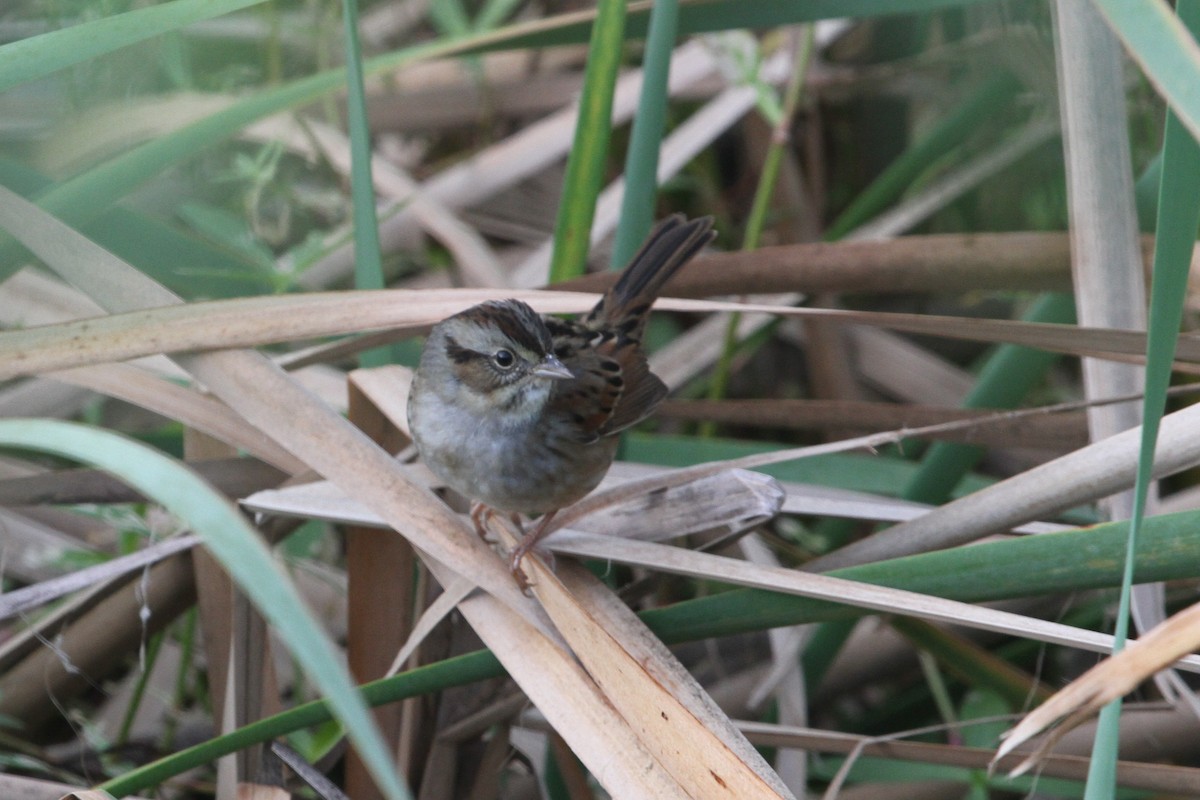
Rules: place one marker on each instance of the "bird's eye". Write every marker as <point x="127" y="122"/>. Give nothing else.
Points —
<point x="504" y="359"/>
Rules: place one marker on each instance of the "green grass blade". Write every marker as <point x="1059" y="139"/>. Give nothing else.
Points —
<point x="645" y="138"/>
<point x="1175" y="236"/>
<point x="368" y="260"/>
<point x="368" y="266"/>
<point x="1089" y="558"/>
<point x="28" y="59"/>
<point x="589" y="153"/>
<point x="1167" y="52"/>
<point x="239" y="549"/>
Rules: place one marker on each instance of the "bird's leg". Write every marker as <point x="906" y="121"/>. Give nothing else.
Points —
<point x="481" y="514"/>
<point x="525" y="547"/>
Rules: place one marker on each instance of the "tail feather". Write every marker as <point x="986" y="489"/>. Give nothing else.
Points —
<point x="671" y="244"/>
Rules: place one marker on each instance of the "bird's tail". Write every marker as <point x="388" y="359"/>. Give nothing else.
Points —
<point x="671" y="244"/>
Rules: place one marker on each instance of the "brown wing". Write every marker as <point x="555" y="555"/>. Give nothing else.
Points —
<point x="613" y="386"/>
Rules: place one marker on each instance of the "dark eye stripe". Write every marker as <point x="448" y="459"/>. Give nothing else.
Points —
<point x="459" y="354"/>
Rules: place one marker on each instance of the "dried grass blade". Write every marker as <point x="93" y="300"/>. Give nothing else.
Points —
<point x="572" y="703"/>
<point x="1107" y="681"/>
<point x="133" y="385"/>
<point x="246" y="322"/>
<point x="20" y="601"/>
<point x="734" y="499"/>
<point x="634" y="673"/>
<point x="1094" y="471"/>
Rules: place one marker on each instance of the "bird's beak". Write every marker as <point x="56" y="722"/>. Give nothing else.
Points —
<point x="551" y="367"/>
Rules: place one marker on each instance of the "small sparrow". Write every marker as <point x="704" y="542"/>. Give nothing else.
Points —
<point x="520" y="412"/>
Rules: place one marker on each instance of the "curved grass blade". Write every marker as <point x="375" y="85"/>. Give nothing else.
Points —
<point x="1175" y="235"/>
<point x="236" y="546"/>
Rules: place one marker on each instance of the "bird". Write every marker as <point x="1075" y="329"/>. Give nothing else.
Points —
<point x="520" y="412"/>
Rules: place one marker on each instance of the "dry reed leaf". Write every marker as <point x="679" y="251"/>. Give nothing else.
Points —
<point x="734" y="500"/>
<point x="327" y="383"/>
<point x="27" y="598"/>
<point x="1087" y="474"/>
<point x="730" y="501"/>
<point x="325" y="502"/>
<point x="670" y="714"/>
<point x="903" y="369"/>
<point x="1112" y="678"/>
<point x="458" y="590"/>
<point x="29" y="298"/>
<point x="785" y="677"/>
<point x="141" y="388"/>
<point x="38" y="397"/>
<point x="245" y="322"/>
<point x="801" y="498"/>
<point x="691" y="353"/>
<point x="822" y="501"/>
<point x="387" y="388"/>
<point x="571" y="702"/>
<point x="258" y="791"/>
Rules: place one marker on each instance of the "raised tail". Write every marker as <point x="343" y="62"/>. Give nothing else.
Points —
<point x="671" y="244"/>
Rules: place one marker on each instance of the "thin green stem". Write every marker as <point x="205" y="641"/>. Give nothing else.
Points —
<point x="368" y="261"/>
<point x="767" y="180"/>
<point x="645" y="137"/>
<point x="589" y="152"/>
<point x="139" y="689"/>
